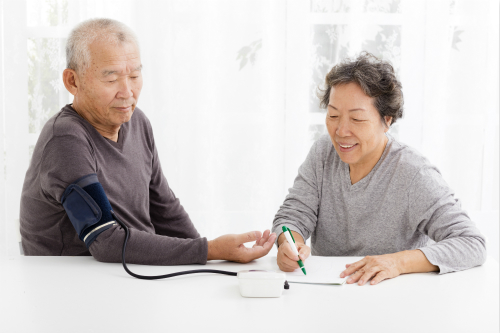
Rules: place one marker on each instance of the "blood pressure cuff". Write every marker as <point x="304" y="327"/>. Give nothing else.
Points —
<point x="88" y="208"/>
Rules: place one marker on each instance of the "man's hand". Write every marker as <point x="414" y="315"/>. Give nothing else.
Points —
<point x="387" y="266"/>
<point x="232" y="248"/>
<point x="287" y="260"/>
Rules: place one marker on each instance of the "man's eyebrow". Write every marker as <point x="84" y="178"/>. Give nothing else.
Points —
<point x="107" y="72"/>
<point x="357" y="109"/>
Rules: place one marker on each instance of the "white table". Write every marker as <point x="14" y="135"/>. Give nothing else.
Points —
<point x="79" y="294"/>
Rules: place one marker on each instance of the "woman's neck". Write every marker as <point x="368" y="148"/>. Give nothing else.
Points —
<point x="360" y="170"/>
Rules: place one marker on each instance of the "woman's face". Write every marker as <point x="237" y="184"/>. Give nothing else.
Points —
<point x="355" y="127"/>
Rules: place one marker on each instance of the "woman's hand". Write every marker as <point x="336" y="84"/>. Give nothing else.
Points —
<point x="387" y="266"/>
<point x="287" y="260"/>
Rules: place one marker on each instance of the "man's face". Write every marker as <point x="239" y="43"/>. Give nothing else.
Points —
<point x="354" y="125"/>
<point x="110" y="87"/>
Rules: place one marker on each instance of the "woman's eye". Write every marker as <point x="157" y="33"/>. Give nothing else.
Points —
<point x="112" y="81"/>
<point x="333" y="116"/>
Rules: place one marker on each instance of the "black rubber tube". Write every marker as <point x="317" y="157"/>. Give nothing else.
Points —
<point x="156" y="277"/>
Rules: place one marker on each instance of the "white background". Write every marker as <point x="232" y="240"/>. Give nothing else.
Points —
<point x="229" y="88"/>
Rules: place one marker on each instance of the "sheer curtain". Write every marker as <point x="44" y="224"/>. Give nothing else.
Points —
<point x="229" y="87"/>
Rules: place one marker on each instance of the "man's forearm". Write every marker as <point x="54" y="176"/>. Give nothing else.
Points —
<point x="148" y="249"/>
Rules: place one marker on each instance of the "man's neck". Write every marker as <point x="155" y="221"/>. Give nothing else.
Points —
<point x="109" y="132"/>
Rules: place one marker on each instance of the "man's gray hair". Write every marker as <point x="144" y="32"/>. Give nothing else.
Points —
<point x="89" y="31"/>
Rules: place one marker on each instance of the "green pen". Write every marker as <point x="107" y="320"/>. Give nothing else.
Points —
<point x="291" y="241"/>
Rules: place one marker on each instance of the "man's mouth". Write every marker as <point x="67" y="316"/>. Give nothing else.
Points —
<point x="123" y="108"/>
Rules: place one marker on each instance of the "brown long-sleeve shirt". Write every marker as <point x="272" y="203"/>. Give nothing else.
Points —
<point x="161" y="232"/>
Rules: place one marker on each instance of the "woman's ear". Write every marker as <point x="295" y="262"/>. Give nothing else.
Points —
<point x="387" y="121"/>
<point x="71" y="81"/>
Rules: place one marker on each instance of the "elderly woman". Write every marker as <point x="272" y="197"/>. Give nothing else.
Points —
<point x="360" y="192"/>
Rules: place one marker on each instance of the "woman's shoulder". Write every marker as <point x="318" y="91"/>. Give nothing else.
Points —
<point x="324" y="143"/>
<point x="323" y="149"/>
<point x="408" y="160"/>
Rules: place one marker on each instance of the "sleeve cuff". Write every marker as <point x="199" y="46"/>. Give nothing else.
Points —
<point x="277" y="229"/>
<point x="432" y="257"/>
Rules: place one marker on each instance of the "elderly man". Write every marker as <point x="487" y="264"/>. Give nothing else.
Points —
<point x="97" y="157"/>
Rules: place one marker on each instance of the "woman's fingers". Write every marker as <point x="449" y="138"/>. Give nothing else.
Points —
<point x="355" y="277"/>
<point x="353" y="268"/>
<point x="377" y="268"/>
<point x="287" y="260"/>
<point x="304" y="251"/>
<point x="381" y="276"/>
<point x="368" y="274"/>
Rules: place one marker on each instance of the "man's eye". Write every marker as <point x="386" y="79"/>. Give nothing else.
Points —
<point x="357" y="120"/>
<point x="112" y="81"/>
<point x="334" y="116"/>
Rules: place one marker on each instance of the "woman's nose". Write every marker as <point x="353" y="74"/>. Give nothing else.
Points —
<point x="343" y="128"/>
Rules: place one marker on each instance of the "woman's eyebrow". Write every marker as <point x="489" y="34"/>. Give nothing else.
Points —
<point x="356" y="109"/>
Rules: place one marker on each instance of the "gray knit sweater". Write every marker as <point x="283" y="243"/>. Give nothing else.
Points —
<point x="398" y="206"/>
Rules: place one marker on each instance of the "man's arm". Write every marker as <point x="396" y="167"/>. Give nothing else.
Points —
<point x="167" y="214"/>
<point x="68" y="158"/>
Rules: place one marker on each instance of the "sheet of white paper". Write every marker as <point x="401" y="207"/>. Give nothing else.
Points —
<point x="321" y="270"/>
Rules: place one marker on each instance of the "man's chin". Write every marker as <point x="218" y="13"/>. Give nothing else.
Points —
<point x="121" y="118"/>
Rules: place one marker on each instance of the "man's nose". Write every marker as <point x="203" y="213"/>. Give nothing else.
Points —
<point x="125" y="89"/>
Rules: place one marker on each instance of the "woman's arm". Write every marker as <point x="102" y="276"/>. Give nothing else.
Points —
<point x="388" y="266"/>
<point x="432" y="210"/>
<point x="299" y="211"/>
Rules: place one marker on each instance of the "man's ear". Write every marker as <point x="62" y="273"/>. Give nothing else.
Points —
<point x="71" y="81"/>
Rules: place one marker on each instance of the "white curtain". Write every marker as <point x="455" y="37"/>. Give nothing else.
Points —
<point x="229" y="87"/>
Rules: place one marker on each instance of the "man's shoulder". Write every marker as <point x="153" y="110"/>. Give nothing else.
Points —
<point x="140" y="118"/>
<point x="67" y="122"/>
<point x="65" y="126"/>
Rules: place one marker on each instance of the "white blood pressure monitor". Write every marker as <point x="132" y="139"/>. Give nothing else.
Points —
<point x="260" y="283"/>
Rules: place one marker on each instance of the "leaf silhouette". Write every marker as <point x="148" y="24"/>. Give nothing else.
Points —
<point x="456" y="38"/>
<point x="249" y="53"/>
